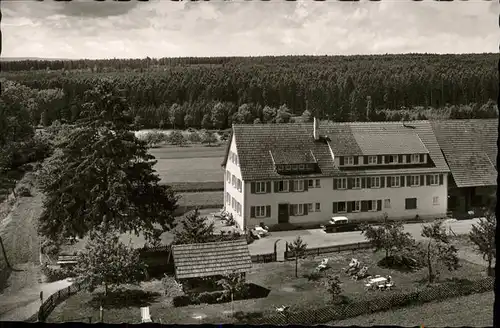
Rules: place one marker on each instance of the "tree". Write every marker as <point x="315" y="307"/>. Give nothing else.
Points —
<point x="206" y="121"/>
<point x="269" y="114"/>
<point x="388" y="236"/>
<point x="437" y="249"/>
<point x="483" y="236"/>
<point x="194" y="229"/>
<point x="176" y="138"/>
<point x="100" y="172"/>
<point x="208" y="138"/>
<point x="109" y="263"/>
<point x="176" y="116"/>
<point x="194" y="137"/>
<point x="334" y="286"/>
<point x="298" y="249"/>
<point x="219" y="115"/>
<point x="233" y="284"/>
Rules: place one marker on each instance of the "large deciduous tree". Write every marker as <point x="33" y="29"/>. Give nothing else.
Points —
<point x="100" y="172"/>
<point x="482" y="235"/>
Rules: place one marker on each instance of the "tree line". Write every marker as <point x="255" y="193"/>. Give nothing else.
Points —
<point x="216" y="92"/>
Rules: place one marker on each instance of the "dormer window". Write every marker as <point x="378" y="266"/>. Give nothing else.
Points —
<point x="294" y="167"/>
<point x="415" y="158"/>
<point x="393" y="159"/>
<point x="301" y="166"/>
<point x="372" y="160"/>
<point x="349" y="160"/>
<point x="288" y="167"/>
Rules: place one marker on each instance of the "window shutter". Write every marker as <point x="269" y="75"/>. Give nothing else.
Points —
<point x="402" y="181"/>
<point x="356" y="159"/>
<point x="408" y="158"/>
<point x="252" y="211"/>
<point x="422" y="158"/>
<point x="387" y="158"/>
<point x="291" y="209"/>
<point x="276" y="186"/>
<point x="368" y="182"/>
<point x="440" y="179"/>
<point x="268" y="187"/>
<point x="379" y="159"/>
<point x="422" y="180"/>
<point x="364" y="182"/>
<point x="252" y="188"/>
<point x="349" y="183"/>
<point x="428" y="180"/>
<point x="291" y="185"/>
<point x="364" y="205"/>
<point x="365" y="159"/>
<point x="306" y="185"/>
<point x="349" y="207"/>
<point x="335" y="183"/>
<point x="268" y="211"/>
<point x="382" y="182"/>
<point x="306" y="209"/>
<point x="335" y="207"/>
<point x="379" y="205"/>
<point x="400" y="158"/>
<point x="341" y="159"/>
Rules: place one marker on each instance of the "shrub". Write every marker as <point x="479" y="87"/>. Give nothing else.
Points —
<point x="194" y="137"/>
<point x="182" y="300"/>
<point x="314" y="275"/>
<point x="171" y="287"/>
<point x="55" y="274"/>
<point x="23" y="191"/>
<point x="210" y="297"/>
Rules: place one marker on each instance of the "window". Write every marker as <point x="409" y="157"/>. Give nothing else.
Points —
<point x="228" y="176"/>
<point x="310" y="183"/>
<point x="233" y="180"/>
<point x="356" y="183"/>
<point x="434" y="179"/>
<point x="415" y="158"/>
<point x="297" y="209"/>
<point x="373" y="206"/>
<point x="318" y="207"/>
<point x="228" y="198"/>
<point x="435" y="200"/>
<point x="282" y="186"/>
<point x="298" y="185"/>
<point x="394" y="181"/>
<point x="342" y="208"/>
<point x="288" y="167"/>
<point x="410" y="203"/>
<point x="310" y="207"/>
<point x="301" y="167"/>
<point x="357" y="206"/>
<point x="372" y="159"/>
<point x="238" y="210"/>
<point x="349" y="160"/>
<point x="414" y="180"/>
<point x="237" y="160"/>
<point x="318" y="183"/>
<point x="260" y="187"/>
<point x="387" y="203"/>
<point x="393" y="159"/>
<point x="375" y="182"/>
<point x="294" y="167"/>
<point x="232" y="202"/>
<point x="239" y="184"/>
<point x="341" y="183"/>
<point x="260" y="211"/>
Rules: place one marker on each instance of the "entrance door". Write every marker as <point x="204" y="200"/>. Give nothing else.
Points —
<point x="283" y="215"/>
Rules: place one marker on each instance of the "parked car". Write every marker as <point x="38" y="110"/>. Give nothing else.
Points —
<point x="340" y="224"/>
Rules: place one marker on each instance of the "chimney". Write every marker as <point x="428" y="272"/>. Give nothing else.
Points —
<point x="316" y="129"/>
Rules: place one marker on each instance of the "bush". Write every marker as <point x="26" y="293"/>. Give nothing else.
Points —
<point x="171" y="287"/>
<point x="314" y="275"/>
<point x="183" y="300"/>
<point x="23" y="191"/>
<point x="55" y="274"/>
<point x="209" y="297"/>
<point x="399" y="261"/>
<point x="176" y="138"/>
<point x="194" y="137"/>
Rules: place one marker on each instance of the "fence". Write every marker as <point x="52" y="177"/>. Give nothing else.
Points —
<point x="54" y="300"/>
<point x="376" y="304"/>
<point x="264" y="258"/>
<point x="330" y="249"/>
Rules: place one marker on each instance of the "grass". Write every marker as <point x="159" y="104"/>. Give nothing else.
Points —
<point x="202" y="198"/>
<point x="204" y="186"/>
<point x="190" y="169"/>
<point x="192" y="151"/>
<point x="298" y="293"/>
<point x="468" y="311"/>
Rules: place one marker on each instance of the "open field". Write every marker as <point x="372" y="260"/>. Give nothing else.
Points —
<point x="202" y="198"/>
<point x="298" y="293"/>
<point x="191" y="151"/>
<point x="468" y="311"/>
<point x="198" y="186"/>
<point x="190" y="169"/>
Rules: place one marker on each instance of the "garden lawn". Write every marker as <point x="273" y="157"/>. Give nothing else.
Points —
<point x="285" y="289"/>
<point x="468" y="311"/>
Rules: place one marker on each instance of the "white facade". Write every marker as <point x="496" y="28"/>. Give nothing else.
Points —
<point x="431" y="202"/>
<point x="234" y="192"/>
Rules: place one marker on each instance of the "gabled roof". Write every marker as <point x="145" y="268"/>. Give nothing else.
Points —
<point x="211" y="259"/>
<point x="257" y="142"/>
<point x="470" y="148"/>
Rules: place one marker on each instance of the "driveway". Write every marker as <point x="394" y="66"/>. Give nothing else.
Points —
<point x="317" y="238"/>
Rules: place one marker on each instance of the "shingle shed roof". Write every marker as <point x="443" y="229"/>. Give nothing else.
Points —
<point x="210" y="259"/>
<point x="470" y="148"/>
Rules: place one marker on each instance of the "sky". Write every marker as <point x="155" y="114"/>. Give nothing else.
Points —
<point x="162" y="28"/>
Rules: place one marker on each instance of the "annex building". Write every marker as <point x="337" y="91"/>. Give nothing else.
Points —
<point x="303" y="174"/>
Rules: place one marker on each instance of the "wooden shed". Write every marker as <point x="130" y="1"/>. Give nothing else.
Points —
<point x="211" y="259"/>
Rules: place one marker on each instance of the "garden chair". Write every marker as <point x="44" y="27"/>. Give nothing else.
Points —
<point x="145" y="316"/>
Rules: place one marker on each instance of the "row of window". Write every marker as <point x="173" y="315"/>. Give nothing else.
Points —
<point x="233" y="157"/>
<point x="235" y="182"/>
<point x="262" y="187"/>
<point x="382" y="159"/>
<point x="235" y="205"/>
<point x="357" y="206"/>
<point x="389" y="181"/>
